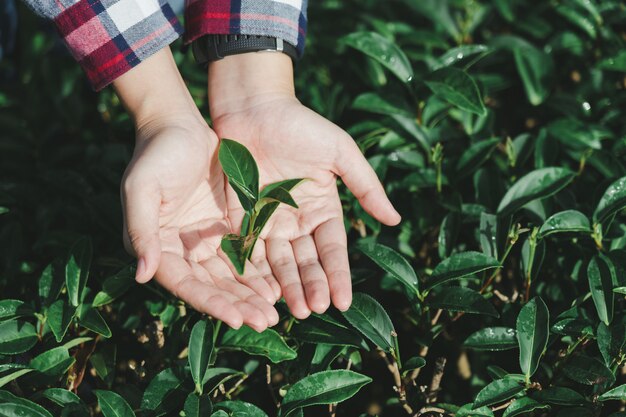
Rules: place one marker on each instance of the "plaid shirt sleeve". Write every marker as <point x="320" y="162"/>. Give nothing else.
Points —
<point x="109" y="37"/>
<point x="285" y="19"/>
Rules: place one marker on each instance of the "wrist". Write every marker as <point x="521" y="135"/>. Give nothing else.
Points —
<point x="154" y="92"/>
<point x="240" y="82"/>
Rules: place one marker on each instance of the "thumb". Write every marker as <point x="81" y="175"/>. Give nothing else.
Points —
<point x="141" y="228"/>
<point x="361" y="179"/>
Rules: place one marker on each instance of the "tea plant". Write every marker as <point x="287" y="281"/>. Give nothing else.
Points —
<point x="498" y="130"/>
<point x="243" y="175"/>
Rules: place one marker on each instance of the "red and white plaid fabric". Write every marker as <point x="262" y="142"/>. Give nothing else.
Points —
<point x="109" y="37"/>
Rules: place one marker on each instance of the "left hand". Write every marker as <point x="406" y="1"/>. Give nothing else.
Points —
<point x="304" y="248"/>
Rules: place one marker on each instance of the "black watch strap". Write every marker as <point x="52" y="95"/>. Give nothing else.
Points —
<point x="214" y="47"/>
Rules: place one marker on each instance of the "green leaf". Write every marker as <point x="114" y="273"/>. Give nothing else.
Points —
<point x="536" y="70"/>
<point x="457" y="88"/>
<point x="324" y="356"/>
<point x="586" y="370"/>
<point x="238" y="249"/>
<point x="216" y="376"/>
<point x="11" y="376"/>
<point x="602" y="278"/>
<point x="391" y="262"/>
<point x="165" y="391"/>
<point x="476" y="155"/>
<point x="59" y="317"/>
<point x="576" y="134"/>
<point x="325" y="387"/>
<point x="505" y="7"/>
<point x="613" y="200"/>
<point x="540" y="183"/>
<point x="197" y="406"/>
<point x="611" y="340"/>
<point x="21" y="410"/>
<point x="488" y="234"/>
<point x="533" y="328"/>
<point x="241" y="170"/>
<point x="559" y="396"/>
<point x="579" y="20"/>
<point x="498" y="391"/>
<point x="115" y="286"/>
<point x="375" y="103"/>
<point x="468" y="411"/>
<point x="113" y="405"/>
<point x="220" y="413"/>
<point x="614" y="63"/>
<point x="460" y="53"/>
<point x="16" y="337"/>
<point x="11" y="309"/>
<point x="77" y="270"/>
<point x="240" y="409"/>
<point x="617" y="393"/>
<point x="90" y="318"/>
<point x="382" y="50"/>
<point x="104" y="363"/>
<point x="315" y="330"/>
<point x="371" y="319"/>
<point x="285" y="184"/>
<point x="492" y="339"/>
<point x="523" y="405"/>
<point x="75" y="342"/>
<point x="463" y="300"/>
<point x="570" y="221"/>
<point x="200" y="350"/>
<point x="439" y="13"/>
<point x="61" y="396"/>
<point x="277" y="195"/>
<point x="34" y="408"/>
<point x="268" y="343"/>
<point x="53" y="362"/>
<point x="413" y="363"/>
<point x="460" y="265"/>
<point x="50" y="284"/>
<point x="448" y="233"/>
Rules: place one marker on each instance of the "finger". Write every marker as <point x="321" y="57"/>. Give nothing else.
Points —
<point x="175" y="275"/>
<point x="259" y="260"/>
<point x="361" y="179"/>
<point x="141" y="204"/>
<point x="314" y="279"/>
<point x="283" y="264"/>
<point x="251" y="278"/>
<point x="223" y="278"/>
<point x="331" y="242"/>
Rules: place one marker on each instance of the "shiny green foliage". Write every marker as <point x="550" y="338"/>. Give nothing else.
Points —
<point x="497" y="129"/>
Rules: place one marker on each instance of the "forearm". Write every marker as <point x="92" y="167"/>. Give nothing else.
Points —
<point x="155" y="90"/>
<point x="239" y="82"/>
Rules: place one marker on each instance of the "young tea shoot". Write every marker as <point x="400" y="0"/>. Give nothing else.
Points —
<point x="259" y="205"/>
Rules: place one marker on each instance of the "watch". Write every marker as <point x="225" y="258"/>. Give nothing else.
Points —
<point x="214" y="47"/>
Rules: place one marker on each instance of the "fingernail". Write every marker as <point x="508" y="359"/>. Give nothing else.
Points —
<point x="141" y="268"/>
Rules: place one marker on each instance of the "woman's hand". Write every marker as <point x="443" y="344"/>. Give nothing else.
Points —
<point x="174" y="202"/>
<point x="252" y="101"/>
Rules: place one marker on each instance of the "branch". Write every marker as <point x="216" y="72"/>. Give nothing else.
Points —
<point x="398" y="387"/>
<point x="440" y="366"/>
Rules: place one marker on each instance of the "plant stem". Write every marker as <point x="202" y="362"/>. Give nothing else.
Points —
<point x="532" y="243"/>
<point x="495" y="273"/>
<point x="218" y="326"/>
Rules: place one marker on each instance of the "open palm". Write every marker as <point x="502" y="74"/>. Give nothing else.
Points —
<point x="175" y="216"/>
<point x="305" y="248"/>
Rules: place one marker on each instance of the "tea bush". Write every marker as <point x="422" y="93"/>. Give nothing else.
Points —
<point x="498" y="129"/>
